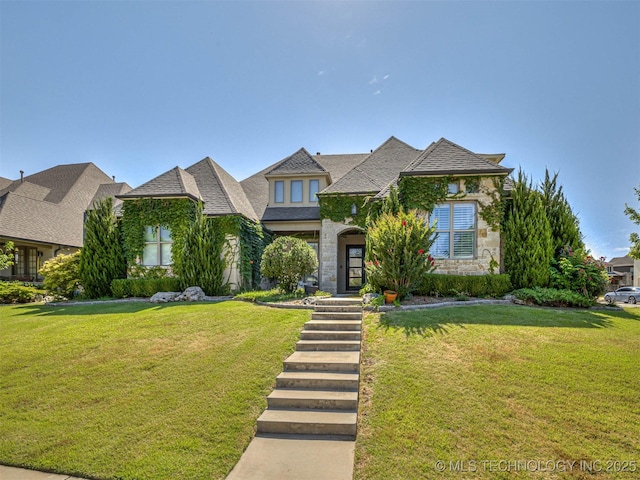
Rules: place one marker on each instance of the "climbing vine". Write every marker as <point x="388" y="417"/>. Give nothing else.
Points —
<point x="424" y="193"/>
<point x="338" y="208"/>
<point x="174" y="214"/>
<point x="179" y="215"/>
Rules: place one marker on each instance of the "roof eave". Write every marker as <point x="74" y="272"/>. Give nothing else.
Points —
<point x="458" y="173"/>
<point x="167" y="196"/>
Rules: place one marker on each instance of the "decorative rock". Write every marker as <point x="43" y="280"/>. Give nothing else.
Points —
<point x="309" y="301"/>
<point x="164" y="297"/>
<point x="191" y="294"/>
<point x="367" y="297"/>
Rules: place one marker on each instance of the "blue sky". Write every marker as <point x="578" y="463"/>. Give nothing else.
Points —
<point x="140" y="87"/>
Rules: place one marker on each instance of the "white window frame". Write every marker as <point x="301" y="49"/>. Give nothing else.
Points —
<point x="158" y="242"/>
<point x="451" y="231"/>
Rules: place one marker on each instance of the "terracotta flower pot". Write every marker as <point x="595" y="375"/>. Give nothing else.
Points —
<point x="390" y="296"/>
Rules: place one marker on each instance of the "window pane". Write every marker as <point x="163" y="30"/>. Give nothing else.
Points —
<point x="296" y="190"/>
<point x="453" y="187"/>
<point x="151" y="234"/>
<point x="355" y="252"/>
<point x="314" y="185"/>
<point x="463" y="244"/>
<point x="355" y="282"/>
<point x="279" y="193"/>
<point x="464" y="216"/>
<point x="165" y="234"/>
<point x="166" y="254"/>
<point x="440" y="247"/>
<point x="150" y="254"/>
<point x="440" y="215"/>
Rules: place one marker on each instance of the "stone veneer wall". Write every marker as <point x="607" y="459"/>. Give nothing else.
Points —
<point x="487" y="247"/>
<point x="329" y="254"/>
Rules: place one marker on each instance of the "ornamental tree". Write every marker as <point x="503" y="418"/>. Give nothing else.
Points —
<point x="102" y="259"/>
<point x="288" y="260"/>
<point x="398" y="247"/>
<point x="62" y="274"/>
<point x="528" y="248"/>
<point x="6" y="255"/>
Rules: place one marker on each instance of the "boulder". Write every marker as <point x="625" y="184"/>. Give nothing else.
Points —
<point x="367" y="297"/>
<point x="164" y="297"/>
<point x="191" y="294"/>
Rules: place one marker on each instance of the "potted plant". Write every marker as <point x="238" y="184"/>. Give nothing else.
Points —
<point x="390" y="296"/>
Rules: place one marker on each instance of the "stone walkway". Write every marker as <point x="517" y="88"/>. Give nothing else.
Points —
<point x="309" y="427"/>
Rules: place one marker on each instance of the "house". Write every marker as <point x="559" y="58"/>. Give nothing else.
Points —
<point x="324" y="198"/>
<point x="42" y="214"/>
<point x="622" y="272"/>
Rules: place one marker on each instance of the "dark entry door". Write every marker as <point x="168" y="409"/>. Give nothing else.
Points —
<point x="355" y="267"/>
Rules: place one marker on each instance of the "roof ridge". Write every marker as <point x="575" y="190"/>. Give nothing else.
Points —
<point x="423" y="154"/>
<point x="488" y="162"/>
<point x="212" y="164"/>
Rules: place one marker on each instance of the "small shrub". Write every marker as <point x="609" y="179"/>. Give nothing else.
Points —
<point x="320" y="293"/>
<point x="551" y="297"/>
<point x="62" y="274"/>
<point x="287" y="260"/>
<point x="437" y="284"/>
<point x="273" y="295"/>
<point x="579" y="272"/>
<point x="16" y="292"/>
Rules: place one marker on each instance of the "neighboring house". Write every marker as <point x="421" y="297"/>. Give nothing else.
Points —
<point x="622" y="273"/>
<point x="42" y="214"/>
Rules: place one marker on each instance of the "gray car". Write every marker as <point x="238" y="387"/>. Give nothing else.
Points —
<point x="623" y="294"/>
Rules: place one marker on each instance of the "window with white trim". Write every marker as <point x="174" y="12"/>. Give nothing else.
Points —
<point x="456" y="230"/>
<point x="157" y="246"/>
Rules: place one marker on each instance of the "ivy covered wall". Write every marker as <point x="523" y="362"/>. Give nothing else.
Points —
<point x="178" y="215"/>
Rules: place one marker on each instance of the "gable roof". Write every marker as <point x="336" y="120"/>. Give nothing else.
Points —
<point x="621" y="262"/>
<point x="174" y="183"/>
<point x="301" y="162"/>
<point x="377" y="170"/>
<point x="49" y="206"/>
<point x="445" y="157"/>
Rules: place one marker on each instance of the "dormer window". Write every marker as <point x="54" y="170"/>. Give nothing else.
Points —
<point x="296" y="191"/>
<point x="314" y="187"/>
<point x="279" y="191"/>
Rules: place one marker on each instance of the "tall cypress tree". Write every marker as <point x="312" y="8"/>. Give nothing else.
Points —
<point x="528" y="246"/>
<point x="102" y="259"/>
<point x="565" y="226"/>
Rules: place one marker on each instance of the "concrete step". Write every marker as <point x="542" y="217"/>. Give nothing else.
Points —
<point x="353" y="325"/>
<point x="308" y="422"/>
<point x="338" y="308"/>
<point x="330" y="335"/>
<point x="328" y="346"/>
<point x="312" y="399"/>
<point x="323" y="362"/>
<point x="336" y="315"/>
<point x="339" y="301"/>
<point x="318" y="380"/>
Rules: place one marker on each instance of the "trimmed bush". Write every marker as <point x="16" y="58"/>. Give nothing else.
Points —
<point x="143" y="287"/>
<point x="436" y="284"/>
<point x="551" y="297"/>
<point x="16" y="292"/>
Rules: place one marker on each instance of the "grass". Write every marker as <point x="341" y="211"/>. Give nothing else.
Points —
<point x="131" y="390"/>
<point x="499" y="383"/>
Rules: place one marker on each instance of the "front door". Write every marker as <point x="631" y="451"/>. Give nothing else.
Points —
<point x="355" y="267"/>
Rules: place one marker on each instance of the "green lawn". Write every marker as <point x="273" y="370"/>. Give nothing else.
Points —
<point x="479" y="386"/>
<point x="137" y="390"/>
